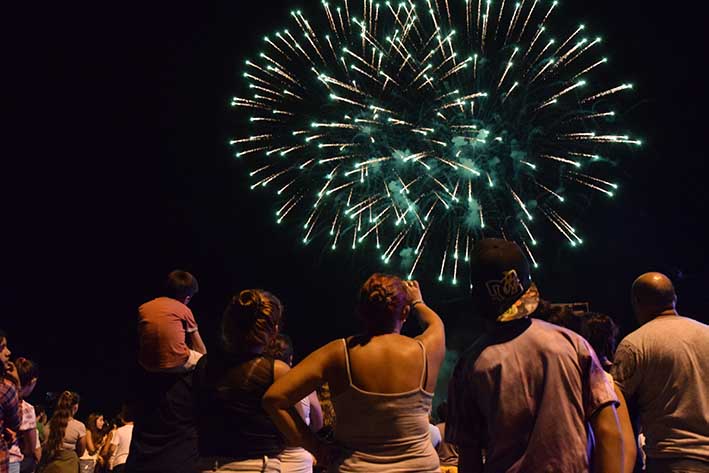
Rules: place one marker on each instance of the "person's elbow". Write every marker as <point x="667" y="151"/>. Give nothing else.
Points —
<point x="272" y="401"/>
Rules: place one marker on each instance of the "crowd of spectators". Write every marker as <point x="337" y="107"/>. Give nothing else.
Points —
<point x="542" y="390"/>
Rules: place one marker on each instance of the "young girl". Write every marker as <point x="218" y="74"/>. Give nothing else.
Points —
<point x="66" y="440"/>
<point x="96" y="439"/>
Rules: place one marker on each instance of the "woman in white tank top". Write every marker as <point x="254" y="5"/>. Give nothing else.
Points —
<point x="381" y="384"/>
<point x="298" y="459"/>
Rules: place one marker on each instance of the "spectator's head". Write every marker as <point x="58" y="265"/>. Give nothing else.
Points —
<point x="502" y="286"/>
<point x="383" y="303"/>
<point x="96" y="424"/>
<point x="601" y="332"/>
<point x="652" y="295"/>
<point x="126" y="414"/>
<point x="282" y="349"/>
<point x="40" y="413"/>
<point x="28" y="374"/>
<point x="4" y="352"/>
<point x="565" y="317"/>
<point x="181" y="285"/>
<point x="251" y="321"/>
<point x="442" y="411"/>
<point x="67" y="405"/>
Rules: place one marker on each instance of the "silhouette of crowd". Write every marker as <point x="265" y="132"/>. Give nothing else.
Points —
<point x="543" y="389"/>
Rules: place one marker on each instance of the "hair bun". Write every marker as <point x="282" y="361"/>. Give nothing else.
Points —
<point x="248" y="299"/>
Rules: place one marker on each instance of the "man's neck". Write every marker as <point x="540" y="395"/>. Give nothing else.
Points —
<point x="664" y="313"/>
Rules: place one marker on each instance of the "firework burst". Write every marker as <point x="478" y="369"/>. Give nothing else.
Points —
<point x="415" y="128"/>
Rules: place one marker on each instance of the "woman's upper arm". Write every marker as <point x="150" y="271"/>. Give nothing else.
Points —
<point x="303" y="378"/>
<point x="81" y="446"/>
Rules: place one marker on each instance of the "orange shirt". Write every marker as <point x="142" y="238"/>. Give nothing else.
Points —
<point x="163" y="324"/>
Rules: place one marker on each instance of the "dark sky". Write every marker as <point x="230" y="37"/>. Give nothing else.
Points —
<point x="119" y="172"/>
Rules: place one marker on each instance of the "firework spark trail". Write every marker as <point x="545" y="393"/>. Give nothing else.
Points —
<point x="474" y="125"/>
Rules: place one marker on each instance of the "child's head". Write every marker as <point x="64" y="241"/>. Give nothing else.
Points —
<point x="181" y="285"/>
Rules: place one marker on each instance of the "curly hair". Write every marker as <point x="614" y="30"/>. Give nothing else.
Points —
<point x="58" y="423"/>
<point x="282" y="348"/>
<point x="381" y="300"/>
<point x="601" y="332"/>
<point x="251" y="320"/>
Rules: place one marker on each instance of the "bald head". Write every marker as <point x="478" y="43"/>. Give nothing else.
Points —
<point x="653" y="293"/>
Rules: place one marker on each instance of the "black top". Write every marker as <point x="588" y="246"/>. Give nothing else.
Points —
<point x="164" y="436"/>
<point x="230" y="420"/>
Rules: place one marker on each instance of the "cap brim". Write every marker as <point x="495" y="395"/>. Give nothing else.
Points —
<point x="525" y="306"/>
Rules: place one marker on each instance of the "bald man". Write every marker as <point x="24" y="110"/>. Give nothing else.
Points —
<point x="663" y="369"/>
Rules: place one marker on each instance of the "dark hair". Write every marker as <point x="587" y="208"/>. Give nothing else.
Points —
<point x="58" y="423"/>
<point x="381" y="299"/>
<point x="251" y="320"/>
<point x="97" y="435"/>
<point x="282" y="348"/>
<point x="601" y="332"/>
<point x="180" y="285"/>
<point x="126" y="414"/>
<point x="27" y="370"/>
<point x="442" y="411"/>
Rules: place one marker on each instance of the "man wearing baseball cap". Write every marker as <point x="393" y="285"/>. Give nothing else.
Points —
<point x="525" y="392"/>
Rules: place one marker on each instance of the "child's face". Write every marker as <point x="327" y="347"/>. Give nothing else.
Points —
<point x="4" y="352"/>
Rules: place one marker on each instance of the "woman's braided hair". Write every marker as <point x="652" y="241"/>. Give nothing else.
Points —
<point x="381" y="300"/>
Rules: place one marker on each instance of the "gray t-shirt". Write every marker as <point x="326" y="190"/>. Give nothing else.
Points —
<point x="526" y="392"/>
<point x="75" y="430"/>
<point x="664" y="367"/>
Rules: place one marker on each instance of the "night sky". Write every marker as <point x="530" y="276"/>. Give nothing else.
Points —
<point x="120" y="171"/>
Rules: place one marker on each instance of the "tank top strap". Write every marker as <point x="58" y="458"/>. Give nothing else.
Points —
<point x="347" y="361"/>
<point x="424" y="371"/>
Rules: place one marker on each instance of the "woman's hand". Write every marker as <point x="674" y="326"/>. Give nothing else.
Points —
<point x="413" y="291"/>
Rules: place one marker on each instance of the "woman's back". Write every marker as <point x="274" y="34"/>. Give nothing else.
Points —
<point x="382" y="412"/>
<point x="230" y="420"/>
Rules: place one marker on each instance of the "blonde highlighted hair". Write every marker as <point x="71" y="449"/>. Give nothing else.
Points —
<point x="251" y="320"/>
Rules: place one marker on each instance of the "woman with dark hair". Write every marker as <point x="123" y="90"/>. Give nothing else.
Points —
<point x="382" y="386"/>
<point x="66" y="439"/>
<point x="96" y="440"/>
<point x="235" y="433"/>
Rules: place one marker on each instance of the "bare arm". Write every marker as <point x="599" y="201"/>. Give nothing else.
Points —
<point x="608" y="454"/>
<point x="470" y="460"/>
<point x="302" y="380"/>
<point x="108" y="447"/>
<point x="90" y="445"/>
<point x="316" y="417"/>
<point x="434" y="332"/>
<point x="29" y="441"/>
<point x="197" y="343"/>
<point x="81" y="446"/>
<point x="626" y="427"/>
